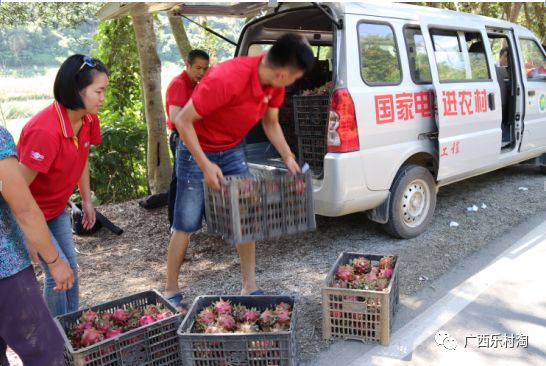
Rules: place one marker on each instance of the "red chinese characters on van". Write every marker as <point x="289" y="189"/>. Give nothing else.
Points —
<point x="406" y="106"/>
<point x="402" y="106"/>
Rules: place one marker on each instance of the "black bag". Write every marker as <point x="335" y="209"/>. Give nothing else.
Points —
<point x="101" y="221"/>
<point x="154" y="201"/>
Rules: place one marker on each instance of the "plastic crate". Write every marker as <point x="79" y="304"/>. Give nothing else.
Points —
<point x="364" y="315"/>
<point x="311" y="150"/>
<point x="261" y="206"/>
<point x="153" y="344"/>
<point x="256" y="349"/>
<point x="311" y="114"/>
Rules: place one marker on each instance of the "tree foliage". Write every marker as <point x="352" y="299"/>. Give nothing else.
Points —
<point x="118" y="169"/>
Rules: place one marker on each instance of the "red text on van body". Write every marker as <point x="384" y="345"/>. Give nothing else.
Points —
<point x="454" y="149"/>
<point x="461" y="103"/>
<point x="402" y="106"/>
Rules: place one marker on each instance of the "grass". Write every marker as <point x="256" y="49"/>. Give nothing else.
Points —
<point x="23" y="97"/>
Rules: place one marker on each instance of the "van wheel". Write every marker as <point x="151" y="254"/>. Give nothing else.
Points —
<point x="412" y="204"/>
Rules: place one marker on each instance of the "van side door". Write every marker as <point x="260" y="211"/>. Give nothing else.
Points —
<point x="467" y="99"/>
<point x="533" y="68"/>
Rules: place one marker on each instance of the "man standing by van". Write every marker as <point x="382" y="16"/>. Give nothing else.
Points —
<point x="178" y="93"/>
<point x="226" y="104"/>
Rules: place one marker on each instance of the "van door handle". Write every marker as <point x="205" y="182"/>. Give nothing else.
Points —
<point x="491" y="98"/>
<point x="531" y="93"/>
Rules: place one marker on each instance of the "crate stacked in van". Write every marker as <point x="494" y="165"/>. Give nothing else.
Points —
<point x="266" y="205"/>
<point x="311" y="112"/>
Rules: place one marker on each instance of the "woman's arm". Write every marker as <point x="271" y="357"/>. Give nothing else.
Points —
<point x="31" y="220"/>
<point x="84" y="185"/>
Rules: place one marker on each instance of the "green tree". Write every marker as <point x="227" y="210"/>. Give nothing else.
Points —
<point x="118" y="169"/>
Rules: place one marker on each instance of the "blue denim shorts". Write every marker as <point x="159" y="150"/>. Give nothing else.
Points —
<point x="189" y="206"/>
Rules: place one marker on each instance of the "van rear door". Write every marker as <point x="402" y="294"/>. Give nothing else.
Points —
<point x="467" y="101"/>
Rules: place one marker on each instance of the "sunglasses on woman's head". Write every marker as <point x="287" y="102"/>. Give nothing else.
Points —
<point x="87" y="61"/>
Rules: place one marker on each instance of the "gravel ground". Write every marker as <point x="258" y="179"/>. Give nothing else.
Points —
<point x="112" y="266"/>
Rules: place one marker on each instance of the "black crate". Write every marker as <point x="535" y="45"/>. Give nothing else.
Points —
<point x="257" y="349"/>
<point x="311" y="114"/>
<point x="262" y="206"/>
<point x="151" y="345"/>
<point x="286" y="120"/>
<point x="365" y="315"/>
<point x="311" y="151"/>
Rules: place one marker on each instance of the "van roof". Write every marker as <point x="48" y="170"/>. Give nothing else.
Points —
<point x="422" y="13"/>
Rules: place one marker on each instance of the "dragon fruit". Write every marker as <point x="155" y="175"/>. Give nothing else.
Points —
<point x="88" y="316"/>
<point x="248" y="327"/>
<point x="222" y="307"/>
<point x="345" y="273"/>
<point x="382" y="283"/>
<point x="386" y="262"/>
<point x="227" y="322"/>
<point x="282" y="316"/>
<point x="361" y="265"/>
<point x="120" y="316"/>
<point x="113" y="332"/>
<point x="251" y="315"/>
<point x="206" y="316"/>
<point x="386" y="273"/>
<point x="145" y="320"/>
<point x="90" y="336"/>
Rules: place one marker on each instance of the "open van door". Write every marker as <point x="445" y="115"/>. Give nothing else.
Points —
<point x="468" y="109"/>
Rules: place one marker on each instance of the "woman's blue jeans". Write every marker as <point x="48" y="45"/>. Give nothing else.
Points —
<point x="64" y="302"/>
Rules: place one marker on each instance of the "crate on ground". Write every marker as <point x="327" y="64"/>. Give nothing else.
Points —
<point x="311" y="114"/>
<point x="248" y="349"/>
<point x="153" y="344"/>
<point x="364" y="315"/>
<point x="262" y="206"/>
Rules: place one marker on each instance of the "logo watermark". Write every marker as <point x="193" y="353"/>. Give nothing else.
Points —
<point x="493" y="340"/>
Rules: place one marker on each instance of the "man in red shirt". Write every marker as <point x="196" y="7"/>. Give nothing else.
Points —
<point x="178" y="93"/>
<point x="227" y="103"/>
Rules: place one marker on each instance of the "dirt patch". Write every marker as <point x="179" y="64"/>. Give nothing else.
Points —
<point x="114" y="266"/>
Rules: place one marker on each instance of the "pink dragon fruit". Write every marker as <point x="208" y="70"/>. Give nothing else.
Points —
<point x="361" y="265"/>
<point x="386" y="262"/>
<point x="206" y="316"/>
<point x="120" y="316"/>
<point x="386" y="273"/>
<point x="89" y="316"/>
<point x="345" y="273"/>
<point x="251" y="315"/>
<point x="222" y="307"/>
<point x="145" y="320"/>
<point x="370" y="277"/>
<point x="90" y="336"/>
<point x="282" y="316"/>
<point x="382" y="283"/>
<point x="227" y="322"/>
<point x="113" y="332"/>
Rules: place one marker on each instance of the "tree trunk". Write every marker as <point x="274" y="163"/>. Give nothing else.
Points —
<point x="514" y="12"/>
<point x="180" y="36"/>
<point x="158" y="159"/>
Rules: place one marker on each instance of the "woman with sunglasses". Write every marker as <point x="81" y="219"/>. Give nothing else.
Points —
<point x="53" y="158"/>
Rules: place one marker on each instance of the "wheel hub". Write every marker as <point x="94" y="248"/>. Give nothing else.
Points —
<point x="415" y="202"/>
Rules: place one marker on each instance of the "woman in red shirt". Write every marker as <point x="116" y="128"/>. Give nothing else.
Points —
<point x="53" y="151"/>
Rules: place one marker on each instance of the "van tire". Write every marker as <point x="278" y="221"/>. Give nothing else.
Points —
<point x="413" y="184"/>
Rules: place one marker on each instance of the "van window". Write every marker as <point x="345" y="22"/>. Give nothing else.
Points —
<point x="417" y="56"/>
<point x="534" y="60"/>
<point x="450" y="55"/>
<point x="379" y="61"/>
<point x="258" y="48"/>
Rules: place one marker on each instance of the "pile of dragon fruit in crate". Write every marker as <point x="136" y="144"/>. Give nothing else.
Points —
<point x="224" y="317"/>
<point x="361" y="274"/>
<point x="95" y="327"/>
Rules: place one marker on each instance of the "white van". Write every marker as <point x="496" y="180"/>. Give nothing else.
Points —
<point x="409" y="99"/>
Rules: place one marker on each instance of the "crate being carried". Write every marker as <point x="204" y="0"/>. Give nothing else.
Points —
<point x="239" y="330"/>
<point x="311" y="114"/>
<point x="260" y="206"/>
<point x="358" y="301"/>
<point x="104" y="336"/>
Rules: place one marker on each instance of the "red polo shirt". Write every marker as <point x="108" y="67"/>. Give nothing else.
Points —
<point x="178" y="93"/>
<point x="48" y="146"/>
<point x="231" y="101"/>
